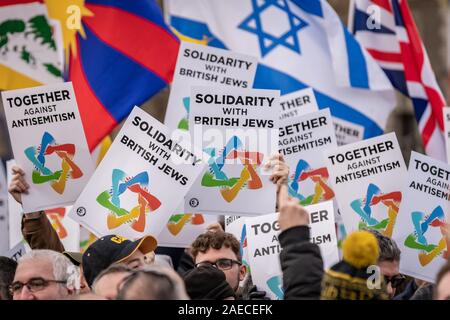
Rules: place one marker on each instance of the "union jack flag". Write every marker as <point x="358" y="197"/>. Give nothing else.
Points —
<point x="387" y="30"/>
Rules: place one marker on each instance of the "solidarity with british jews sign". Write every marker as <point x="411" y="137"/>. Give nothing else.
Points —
<point x="138" y="184"/>
<point x="202" y="65"/>
<point x="238" y="130"/>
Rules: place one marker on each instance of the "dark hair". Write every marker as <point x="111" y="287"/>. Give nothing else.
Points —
<point x="441" y="274"/>
<point x="389" y="250"/>
<point x="216" y="240"/>
<point x="7" y="271"/>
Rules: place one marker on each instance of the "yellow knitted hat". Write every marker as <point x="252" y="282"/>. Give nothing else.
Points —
<point x="360" y="249"/>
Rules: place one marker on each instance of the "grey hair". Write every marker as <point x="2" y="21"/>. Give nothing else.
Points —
<point x="63" y="268"/>
<point x="389" y="250"/>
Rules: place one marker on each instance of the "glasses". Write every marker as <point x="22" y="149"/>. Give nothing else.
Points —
<point x="33" y="285"/>
<point x="395" y="281"/>
<point x="222" y="264"/>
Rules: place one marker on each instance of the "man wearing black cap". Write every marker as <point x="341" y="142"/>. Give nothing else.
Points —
<point x="113" y="249"/>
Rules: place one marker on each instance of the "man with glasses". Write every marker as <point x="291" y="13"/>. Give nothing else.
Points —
<point x="389" y="263"/>
<point x="44" y="275"/>
<point x="220" y="250"/>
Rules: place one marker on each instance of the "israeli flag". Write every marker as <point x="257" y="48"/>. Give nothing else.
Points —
<point x="300" y="44"/>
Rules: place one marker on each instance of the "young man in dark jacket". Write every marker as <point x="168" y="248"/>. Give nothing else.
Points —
<point x="301" y="261"/>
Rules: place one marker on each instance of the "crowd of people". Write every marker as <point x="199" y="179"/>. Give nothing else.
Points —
<point x="116" y="268"/>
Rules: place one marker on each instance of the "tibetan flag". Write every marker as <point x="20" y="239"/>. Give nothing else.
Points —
<point x="30" y="51"/>
<point x="119" y="54"/>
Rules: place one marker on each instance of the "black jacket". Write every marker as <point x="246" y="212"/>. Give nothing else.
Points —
<point x="301" y="263"/>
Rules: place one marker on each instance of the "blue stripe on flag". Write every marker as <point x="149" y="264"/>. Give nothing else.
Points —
<point x="420" y="106"/>
<point x="397" y="13"/>
<point x="117" y="81"/>
<point x="147" y="9"/>
<point x="269" y="78"/>
<point x="356" y="62"/>
<point x="310" y="6"/>
<point x="360" y="24"/>
<point x="397" y="79"/>
<point x="196" y="30"/>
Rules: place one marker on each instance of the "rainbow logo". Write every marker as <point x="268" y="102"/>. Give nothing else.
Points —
<point x="319" y="177"/>
<point x="183" y="124"/>
<point x="56" y="216"/>
<point x="42" y="174"/>
<point x="243" y="246"/>
<point x="178" y="221"/>
<point x="276" y="286"/>
<point x="418" y="241"/>
<point x="146" y="202"/>
<point x="230" y="187"/>
<point x="374" y="196"/>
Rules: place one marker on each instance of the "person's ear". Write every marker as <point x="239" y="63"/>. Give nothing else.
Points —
<point x="242" y="272"/>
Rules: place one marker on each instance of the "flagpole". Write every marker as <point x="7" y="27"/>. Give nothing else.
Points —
<point x="351" y="11"/>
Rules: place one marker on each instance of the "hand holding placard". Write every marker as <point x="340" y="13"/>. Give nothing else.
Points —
<point x="18" y="184"/>
<point x="292" y="214"/>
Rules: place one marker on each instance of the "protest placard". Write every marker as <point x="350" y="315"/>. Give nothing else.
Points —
<point x="347" y="132"/>
<point x="302" y="142"/>
<point x="422" y="226"/>
<point x="183" y="228"/>
<point x="446" y="112"/>
<point x="140" y="181"/>
<point x="238" y="129"/>
<point x="298" y="103"/>
<point x="68" y="230"/>
<point x="204" y="65"/>
<point x="14" y="210"/>
<point x="264" y="248"/>
<point x="48" y="143"/>
<point x="86" y="239"/>
<point x="4" y="232"/>
<point x="236" y="226"/>
<point x="16" y="252"/>
<point x="367" y="177"/>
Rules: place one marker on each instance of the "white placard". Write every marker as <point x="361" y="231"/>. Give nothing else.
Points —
<point x="138" y="184"/>
<point x="14" y="211"/>
<point x="16" y="252"/>
<point x="298" y="103"/>
<point x="347" y="132"/>
<point x="264" y="248"/>
<point x="238" y="129"/>
<point x="49" y="144"/>
<point x="302" y="143"/>
<point x="422" y="227"/>
<point x="208" y="66"/>
<point x="68" y="230"/>
<point x="446" y="111"/>
<point x="183" y="228"/>
<point x="367" y="178"/>
<point x="4" y="230"/>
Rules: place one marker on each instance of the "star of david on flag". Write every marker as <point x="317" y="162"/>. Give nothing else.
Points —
<point x="267" y="41"/>
<point x="299" y="44"/>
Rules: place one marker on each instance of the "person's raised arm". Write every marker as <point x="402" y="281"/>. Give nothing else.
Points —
<point x="36" y="228"/>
